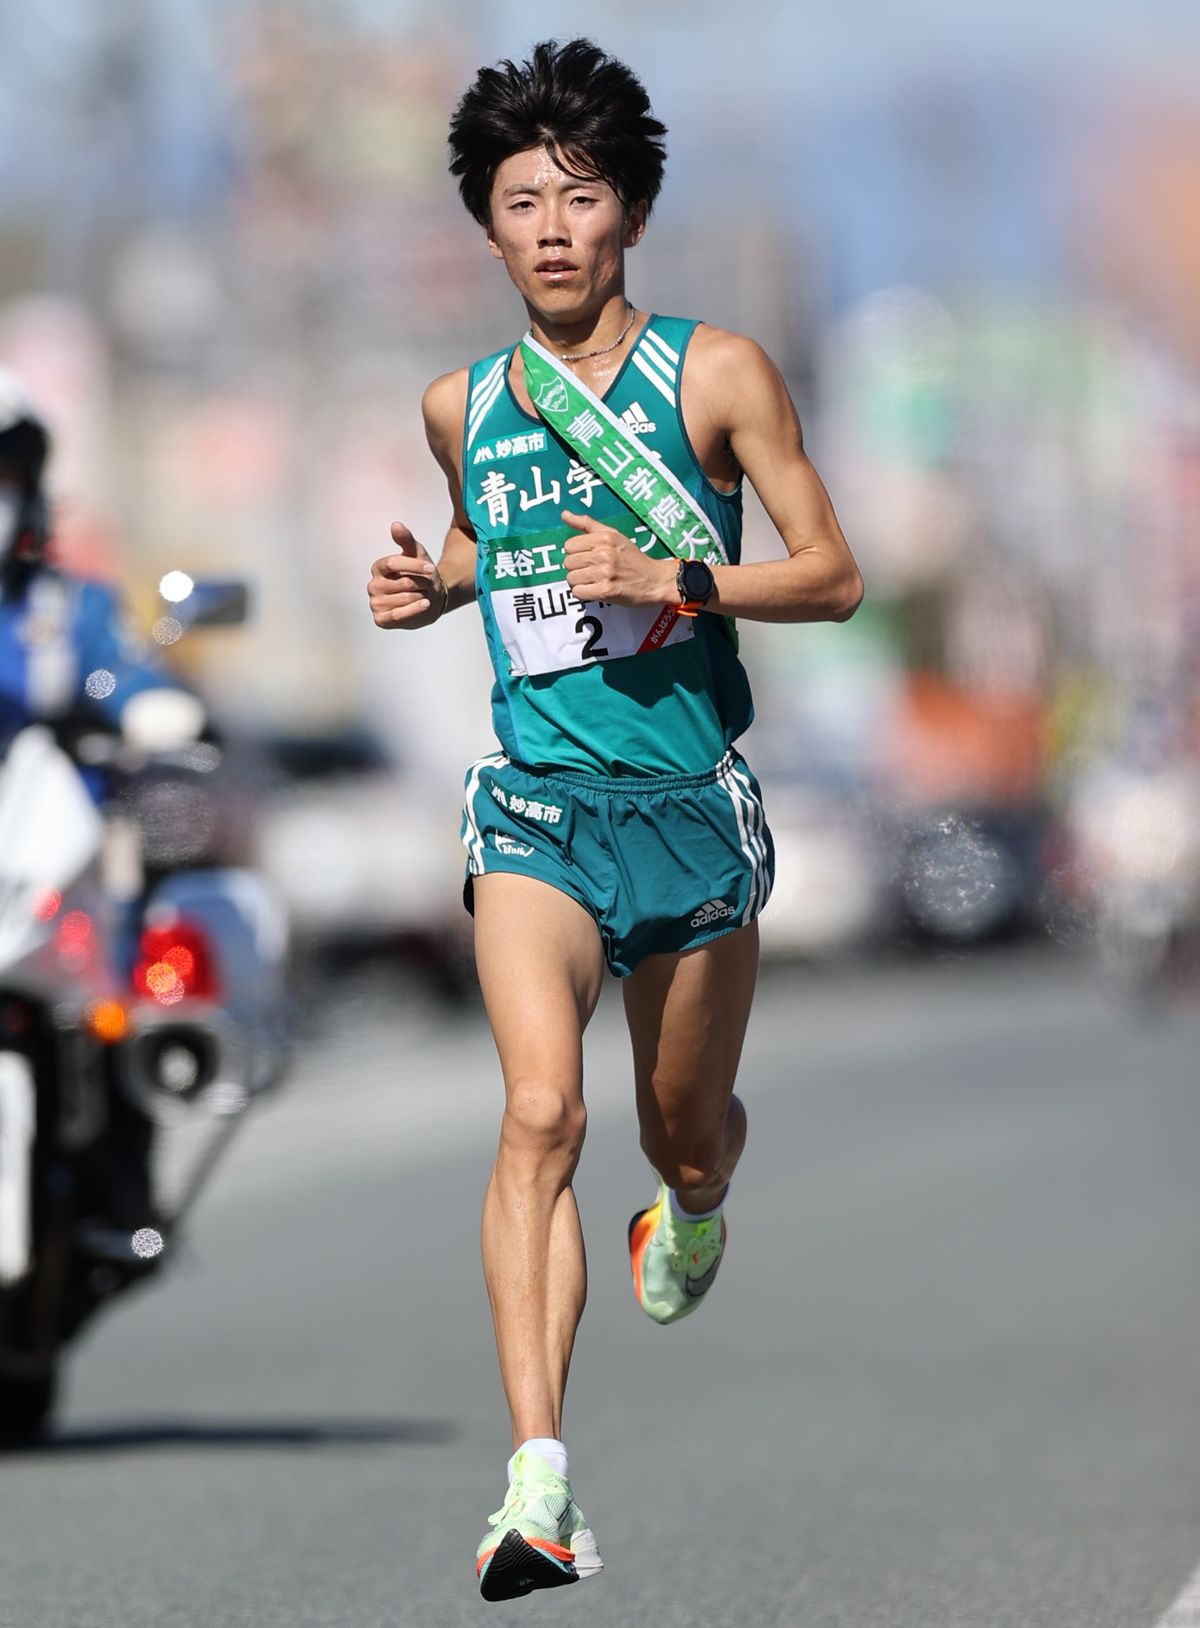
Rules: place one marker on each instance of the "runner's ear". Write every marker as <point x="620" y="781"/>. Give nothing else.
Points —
<point x="635" y="224"/>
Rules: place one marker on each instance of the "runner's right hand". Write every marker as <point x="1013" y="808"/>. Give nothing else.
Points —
<point x="406" y="589"/>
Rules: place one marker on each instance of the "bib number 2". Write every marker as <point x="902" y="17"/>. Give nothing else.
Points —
<point x="593" y="627"/>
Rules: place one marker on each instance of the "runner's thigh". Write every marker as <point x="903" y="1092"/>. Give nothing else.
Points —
<point x="540" y="965"/>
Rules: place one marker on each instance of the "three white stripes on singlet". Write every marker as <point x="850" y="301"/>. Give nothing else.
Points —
<point x="484" y="394"/>
<point x="653" y="349"/>
<point x="747" y="809"/>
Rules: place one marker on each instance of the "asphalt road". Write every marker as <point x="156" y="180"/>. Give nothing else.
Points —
<point x="949" y="1374"/>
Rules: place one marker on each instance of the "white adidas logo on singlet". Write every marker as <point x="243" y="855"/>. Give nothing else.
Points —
<point x="635" y="417"/>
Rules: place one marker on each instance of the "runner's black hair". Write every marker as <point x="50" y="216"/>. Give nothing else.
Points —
<point x="588" y="110"/>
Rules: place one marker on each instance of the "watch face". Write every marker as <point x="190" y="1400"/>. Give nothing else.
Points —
<point x="697" y="580"/>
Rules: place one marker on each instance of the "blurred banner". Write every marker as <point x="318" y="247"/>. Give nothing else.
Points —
<point x="231" y="258"/>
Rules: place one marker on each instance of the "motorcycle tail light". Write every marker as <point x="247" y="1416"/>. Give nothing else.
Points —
<point x="108" y="1020"/>
<point x="175" y="961"/>
<point x="75" y="939"/>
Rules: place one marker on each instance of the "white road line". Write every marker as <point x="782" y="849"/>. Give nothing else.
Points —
<point x="1185" y="1613"/>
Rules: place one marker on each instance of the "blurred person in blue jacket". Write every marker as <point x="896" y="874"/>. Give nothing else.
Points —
<point x="68" y="651"/>
<point x="67" y="645"/>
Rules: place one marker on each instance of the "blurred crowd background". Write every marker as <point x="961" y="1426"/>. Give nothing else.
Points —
<point x="231" y="258"/>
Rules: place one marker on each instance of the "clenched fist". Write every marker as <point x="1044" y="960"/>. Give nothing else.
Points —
<point x="406" y="589"/>
<point x="603" y="563"/>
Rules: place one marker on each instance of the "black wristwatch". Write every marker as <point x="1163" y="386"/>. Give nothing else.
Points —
<point x="695" y="584"/>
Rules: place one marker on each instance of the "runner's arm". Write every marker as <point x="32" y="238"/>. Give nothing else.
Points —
<point x="444" y="408"/>
<point x="407" y="590"/>
<point x="748" y="403"/>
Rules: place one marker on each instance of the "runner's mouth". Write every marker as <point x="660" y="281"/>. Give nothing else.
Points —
<point x="555" y="270"/>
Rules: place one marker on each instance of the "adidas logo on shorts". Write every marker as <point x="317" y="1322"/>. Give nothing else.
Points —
<point x="714" y="910"/>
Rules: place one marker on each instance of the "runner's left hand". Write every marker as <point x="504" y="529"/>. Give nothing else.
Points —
<point x="603" y="564"/>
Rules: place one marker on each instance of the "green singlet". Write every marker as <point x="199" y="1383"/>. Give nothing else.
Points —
<point x="594" y="688"/>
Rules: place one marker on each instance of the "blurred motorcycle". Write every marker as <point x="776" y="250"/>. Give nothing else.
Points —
<point x="142" y="1009"/>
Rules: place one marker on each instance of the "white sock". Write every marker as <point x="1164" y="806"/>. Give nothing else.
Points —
<point x="545" y="1447"/>
<point x="686" y="1215"/>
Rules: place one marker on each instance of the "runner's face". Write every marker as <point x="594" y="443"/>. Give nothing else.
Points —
<point x="563" y="239"/>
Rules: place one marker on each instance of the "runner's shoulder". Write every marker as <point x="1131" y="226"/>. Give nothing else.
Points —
<point x="719" y="350"/>
<point x="444" y="406"/>
<point x="445" y="402"/>
<point x="733" y="372"/>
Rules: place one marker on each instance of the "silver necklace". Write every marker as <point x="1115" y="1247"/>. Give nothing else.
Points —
<point x="586" y="355"/>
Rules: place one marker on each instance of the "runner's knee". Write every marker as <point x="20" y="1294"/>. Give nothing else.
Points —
<point x="542" y="1123"/>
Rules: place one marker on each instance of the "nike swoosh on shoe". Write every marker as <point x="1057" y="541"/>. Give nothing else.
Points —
<point x="695" y="1287"/>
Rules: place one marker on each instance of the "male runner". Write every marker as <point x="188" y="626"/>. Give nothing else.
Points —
<point x="595" y="473"/>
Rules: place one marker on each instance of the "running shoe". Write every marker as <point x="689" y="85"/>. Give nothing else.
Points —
<point x="539" y="1539"/>
<point x="674" y="1262"/>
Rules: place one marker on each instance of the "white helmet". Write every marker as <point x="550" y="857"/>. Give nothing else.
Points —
<point x="15" y="401"/>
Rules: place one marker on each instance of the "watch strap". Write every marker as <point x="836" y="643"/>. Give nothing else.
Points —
<point x="690" y="606"/>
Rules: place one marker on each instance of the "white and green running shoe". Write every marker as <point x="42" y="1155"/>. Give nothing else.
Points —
<point x="538" y="1539"/>
<point x="674" y="1261"/>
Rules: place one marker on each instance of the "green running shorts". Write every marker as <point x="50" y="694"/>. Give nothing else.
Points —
<point x="662" y="864"/>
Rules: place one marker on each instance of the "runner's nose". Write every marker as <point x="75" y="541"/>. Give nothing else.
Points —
<point x="554" y="233"/>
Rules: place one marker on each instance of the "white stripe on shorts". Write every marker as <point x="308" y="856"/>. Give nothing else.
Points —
<point x="758" y="835"/>
<point x="473" y="842"/>
<point x="736" y="797"/>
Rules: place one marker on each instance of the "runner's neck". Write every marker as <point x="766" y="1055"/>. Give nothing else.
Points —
<point x="599" y="371"/>
<point x="605" y="331"/>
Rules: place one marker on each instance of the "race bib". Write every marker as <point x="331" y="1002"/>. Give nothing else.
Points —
<point x="545" y="629"/>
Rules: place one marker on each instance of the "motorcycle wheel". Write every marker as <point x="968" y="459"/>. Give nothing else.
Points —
<point x="25" y="1408"/>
